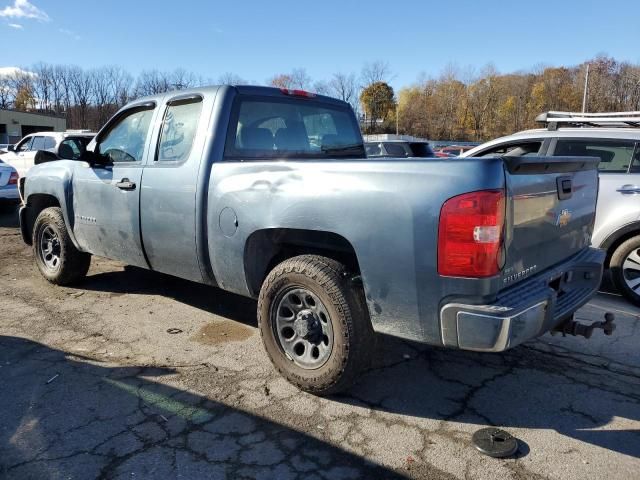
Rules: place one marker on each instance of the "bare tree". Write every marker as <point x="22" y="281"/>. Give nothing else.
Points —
<point x="81" y="89"/>
<point x="121" y="83"/>
<point x="373" y="72"/>
<point x="6" y="93"/>
<point x="152" y="82"/>
<point x="43" y="85"/>
<point x="229" y="78"/>
<point x="297" y="79"/>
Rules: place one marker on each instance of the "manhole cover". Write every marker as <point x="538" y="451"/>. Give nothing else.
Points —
<point x="495" y="442"/>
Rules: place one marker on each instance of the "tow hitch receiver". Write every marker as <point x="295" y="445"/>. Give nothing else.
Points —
<point x="574" y="328"/>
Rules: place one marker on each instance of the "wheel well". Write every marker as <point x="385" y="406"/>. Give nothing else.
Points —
<point x="267" y="248"/>
<point x="37" y="203"/>
<point x="619" y="241"/>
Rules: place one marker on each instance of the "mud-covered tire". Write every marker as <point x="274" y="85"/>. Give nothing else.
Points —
<point x="72" y="265"/>
<point x="353" y="338"/>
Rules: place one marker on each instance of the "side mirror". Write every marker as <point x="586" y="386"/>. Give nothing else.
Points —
<point x="11" y="148"/>
<point x="94" y="159"/>
<point x="43" y="156"/>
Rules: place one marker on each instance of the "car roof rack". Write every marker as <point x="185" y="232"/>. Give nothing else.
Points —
<point x="554" y="119"/>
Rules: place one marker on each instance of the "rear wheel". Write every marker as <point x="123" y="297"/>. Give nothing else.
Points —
<point x="58" y="260"/>
<point x="314" y="324"/>
<point x="625" y="269"/>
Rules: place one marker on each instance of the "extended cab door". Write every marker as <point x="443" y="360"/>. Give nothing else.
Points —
<point x="106" y="197"/>
<point x="168" y="197"/>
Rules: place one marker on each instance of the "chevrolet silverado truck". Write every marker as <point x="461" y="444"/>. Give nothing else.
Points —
<point x="268" y="193"/>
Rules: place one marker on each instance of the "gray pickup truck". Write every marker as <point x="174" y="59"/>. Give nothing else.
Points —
<point x="268" y="193"/>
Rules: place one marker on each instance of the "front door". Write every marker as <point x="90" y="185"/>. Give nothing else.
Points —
<point x="106" y="198"/>
<point x="17" y="158"/>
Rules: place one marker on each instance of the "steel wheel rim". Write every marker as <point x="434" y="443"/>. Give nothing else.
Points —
<point x="631" y="270"/>
<point x="50" y="249"/>
<point x="302" y="326"/>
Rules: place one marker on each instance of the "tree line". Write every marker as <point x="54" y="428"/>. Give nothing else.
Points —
<point x="465" y="106"/>
<point x="89" y="97"/>
<point x="456" y="105"/>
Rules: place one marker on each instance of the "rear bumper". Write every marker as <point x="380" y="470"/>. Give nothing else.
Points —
<point x="525" y="311"/>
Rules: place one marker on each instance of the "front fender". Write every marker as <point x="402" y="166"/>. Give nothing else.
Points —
<point x="51" y="180"/>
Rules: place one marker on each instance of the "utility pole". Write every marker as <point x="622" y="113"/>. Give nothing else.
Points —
<point x="397" y="117"/>
<point x="586" y="86"/>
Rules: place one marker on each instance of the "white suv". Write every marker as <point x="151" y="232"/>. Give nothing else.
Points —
<point x="615" y="139"/>
<point x="68" y="145"/>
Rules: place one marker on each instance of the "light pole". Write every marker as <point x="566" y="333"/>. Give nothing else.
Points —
<point x="586" y="86"/>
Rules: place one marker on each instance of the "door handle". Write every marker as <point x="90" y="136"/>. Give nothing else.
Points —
<point x="126" y="184"/>
<point x="629" y="189"/>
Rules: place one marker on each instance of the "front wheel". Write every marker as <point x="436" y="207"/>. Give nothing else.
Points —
<point x="58" y="260"/>
<point x="625" y="269"/>
<point x="314" y="324"/>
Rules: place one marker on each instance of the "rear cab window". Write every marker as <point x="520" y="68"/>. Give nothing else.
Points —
<point x="616" y="156"/>
<point x="268" y="127"/>
<point x="395" y="150"/>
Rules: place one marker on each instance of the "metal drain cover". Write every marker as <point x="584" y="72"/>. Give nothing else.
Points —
<point x="495" y="442"/>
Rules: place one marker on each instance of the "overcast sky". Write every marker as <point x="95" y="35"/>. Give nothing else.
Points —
<point x="257" y="39"/>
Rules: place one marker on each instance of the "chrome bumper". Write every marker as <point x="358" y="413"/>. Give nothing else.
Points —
<point x="528" y="310"/>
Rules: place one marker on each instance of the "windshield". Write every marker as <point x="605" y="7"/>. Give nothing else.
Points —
<point x="268" y="127"/>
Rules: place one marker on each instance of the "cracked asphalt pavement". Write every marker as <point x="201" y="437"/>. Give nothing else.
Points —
<point x="134" y="374"/>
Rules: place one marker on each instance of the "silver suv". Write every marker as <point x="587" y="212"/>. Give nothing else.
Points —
<point x="615" y="139"/>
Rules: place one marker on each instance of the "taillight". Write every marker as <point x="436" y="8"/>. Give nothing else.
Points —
<point x="297" y="93"/>
<point x="470" y="234"/>
<point x="13" y="179"/>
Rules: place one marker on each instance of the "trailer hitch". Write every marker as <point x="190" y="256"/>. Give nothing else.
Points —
<point x="571" y="327"/>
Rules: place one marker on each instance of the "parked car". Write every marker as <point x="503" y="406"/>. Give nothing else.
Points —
<point x="224" y="186"/>
<point x="614" y="139"/>
<point x="4" y="147"/>
<point x="68" y="145"/>
<point x="398" y="149"/>
<point x="9" y="196"/>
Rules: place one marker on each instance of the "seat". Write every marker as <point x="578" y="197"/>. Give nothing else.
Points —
<point x="293" y="138"/>
<point x="256" y="138"/>
<point x="330" y="140"/>
<point x="66" y="152"/>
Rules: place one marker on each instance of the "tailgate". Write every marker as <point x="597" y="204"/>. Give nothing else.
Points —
<point x="552" y="212"/>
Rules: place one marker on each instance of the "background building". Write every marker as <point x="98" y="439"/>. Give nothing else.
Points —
<point x="14" y="125"/>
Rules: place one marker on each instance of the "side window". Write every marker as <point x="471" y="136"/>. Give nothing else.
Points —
<point x="524" y="149"/>
<point x="38" y="144"/>
<point x="125" y="140"/>
<point x="615" y="156"/>
<point x="395" y="150"/>
<point x="178" y="130"/>
<point x="635" y="165"/>
<point x="49" y="143"/>
<point x="25" y="146"/>
<point x="373" y="149"/>
<point x="70" y="149"/>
